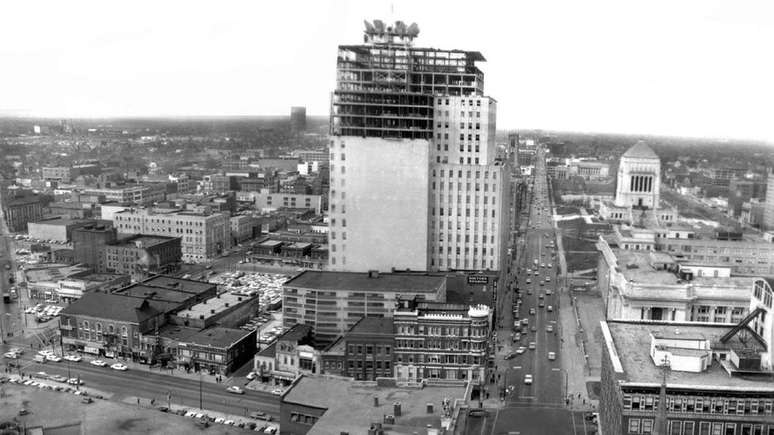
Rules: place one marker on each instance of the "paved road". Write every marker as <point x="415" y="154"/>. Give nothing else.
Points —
<point x="539" y="407"/>
<point x="148" y="384"/>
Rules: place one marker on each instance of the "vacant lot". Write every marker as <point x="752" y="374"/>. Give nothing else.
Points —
<point x="51" y="409"/>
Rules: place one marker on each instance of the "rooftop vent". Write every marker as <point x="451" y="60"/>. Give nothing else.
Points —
<point x="373" y="274"/>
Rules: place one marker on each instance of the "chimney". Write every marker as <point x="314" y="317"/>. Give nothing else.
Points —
<point x="373" y="274"/>
<point x="376" y="401"/>
<point x="396" y="409"/>
<point x="429" y="407"/>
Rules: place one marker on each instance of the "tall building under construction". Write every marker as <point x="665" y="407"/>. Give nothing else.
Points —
<point x="414" y="179"/>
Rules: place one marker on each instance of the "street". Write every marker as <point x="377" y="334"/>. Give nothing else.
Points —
<point x="150" y="384"/>
<point x="530" y="378"/>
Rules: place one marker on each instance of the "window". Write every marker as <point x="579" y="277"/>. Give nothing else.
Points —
<point x="634" y="425"/>
<point x="647" y="425"/>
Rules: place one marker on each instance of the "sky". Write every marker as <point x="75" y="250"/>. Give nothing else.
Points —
<point x="686" y="68"/>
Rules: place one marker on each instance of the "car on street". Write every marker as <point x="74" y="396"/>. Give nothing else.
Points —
<point x="517" y="336"/>
<point x="510" y="355"/>
<point x="548" y="279"/>
<point x="528" y="379"/>
<point x="541" y="296"/>
<point x="551" y="356"/>
<point x="532" y="345"/>
<point x="529" y="281"/>
<point x="260" y="415"/>
<point x="54" y="358"/>
<point x="98" y="363"/>
<point x="73" y="358"/>
<point x="277" y="391"/>
<point x="549" y="292"/>
<point x="532" y="311"/>
<point x="75" y="381"/>
<point x="521" y="350"/>
<point x="250" y="376"/>
<point x="11" y="355"/>
<point x="550" y="308"/>
<point x="58" y="378"/>
<point x="235" y="390"/>
<point x="550" y="328"/>
<point x="529" y="292"/>
<point x="119" y="366"/>
<point x="534" y="328"/>
<point x="550" y="265"/>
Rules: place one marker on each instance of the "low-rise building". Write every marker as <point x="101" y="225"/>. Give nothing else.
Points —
<point x="440" y="341"/>
<point x="331" y="302"/>
<point x="293" y="354"/>
<point x="89" y="244"/>
<point x="203" y="235"/>
<point x="266" y="201"/>
<point x="59" y="228"/>
<point x="141" y="255"/>
<point x="652" y="285"/>
<point x="365" y="352"/>
<point x="682" y="378"/>
<point x="328" y="405"/>
<point x="21" y="207"/>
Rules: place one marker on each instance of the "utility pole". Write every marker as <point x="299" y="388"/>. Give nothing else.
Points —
<point x="200" y="389"/>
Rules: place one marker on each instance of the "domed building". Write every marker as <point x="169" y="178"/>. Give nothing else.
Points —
<point x="637" y="192"/>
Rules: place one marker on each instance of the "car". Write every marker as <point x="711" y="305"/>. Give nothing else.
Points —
<point x="537" y="273"/>
<point x="521" y="350"/>
<point x="119" y="366"/>
<point x="550" y="265"/>
<point x="541" y="304"/>
<point x="550" y="308"/>
<point x="250" y="376"/>
<point x="542" y="265"/>
<point x="532" y="345"/>
<point x="16" y="350"/>
<point x="548" y="279"/>
<point x="98" y="363"/>
<point x="73" y="358"/>
<point x="517" y="336"/>
<point x="260" y="415"/>
<point x="551" y="356"/>
<point x="528" y="379"/>
<point x="58" y="378"/>
<point x="550" y="328"/>
<point x="541" y="296"/>
<point x="46" y="352"/>
<point x="542" y="283"/>
<point x="75" y="381"/>
<point x="87" y="400"/>
<point x="229" y="422"/>
<point x="510" y="355"/>
<point x="532" y="311"/>
<point x="235" y="390"/>
<point x="11" y="355"/>
<point x="53" y="358"/>
<point x="529" y="292"/>
<point x="529" y="281"/>
<point x="220" y="420"/>
<point x="549" y="292"/>
<point x="277" y="391"/>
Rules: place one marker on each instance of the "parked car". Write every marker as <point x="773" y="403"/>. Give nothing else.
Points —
<point x="119" y="366"/>
<point x="551" y="356"/>
<point x="528" y="379"/>
<point x="98" y="363"/>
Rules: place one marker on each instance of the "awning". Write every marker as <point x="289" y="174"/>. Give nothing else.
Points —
<point x="306" y="355"/>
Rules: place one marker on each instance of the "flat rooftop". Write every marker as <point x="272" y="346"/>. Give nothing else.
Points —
<point x="219" y="303"/>
<point x="156" y="293"/>
<point x="354" y="281"/>
<point x="350" y="405"/>
<point x="185" y="284"/>
<point x="145" y="241"/>
<point x="632" y="344"/>
<point x="219" y="337"/>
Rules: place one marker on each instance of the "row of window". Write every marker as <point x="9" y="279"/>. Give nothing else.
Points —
<point x="369" y="365"/>
<point x="470" y="103"/>
<point x="369" y="349"/>
<point x="705" y="405"/>
<point x="677" y="427"/>
<point x="458" y="263"/>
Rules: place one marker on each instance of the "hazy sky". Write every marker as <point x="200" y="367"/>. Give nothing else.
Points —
<point x="703" y="68"/>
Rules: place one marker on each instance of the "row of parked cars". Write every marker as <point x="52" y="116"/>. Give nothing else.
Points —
<point x="205" y="420"/>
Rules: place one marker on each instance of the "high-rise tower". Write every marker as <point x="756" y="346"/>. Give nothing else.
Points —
<point x="414" y="180"/>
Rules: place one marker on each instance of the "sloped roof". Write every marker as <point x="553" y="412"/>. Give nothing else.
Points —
<point x="640" y="150"/>
<point x="113" y="307"/>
